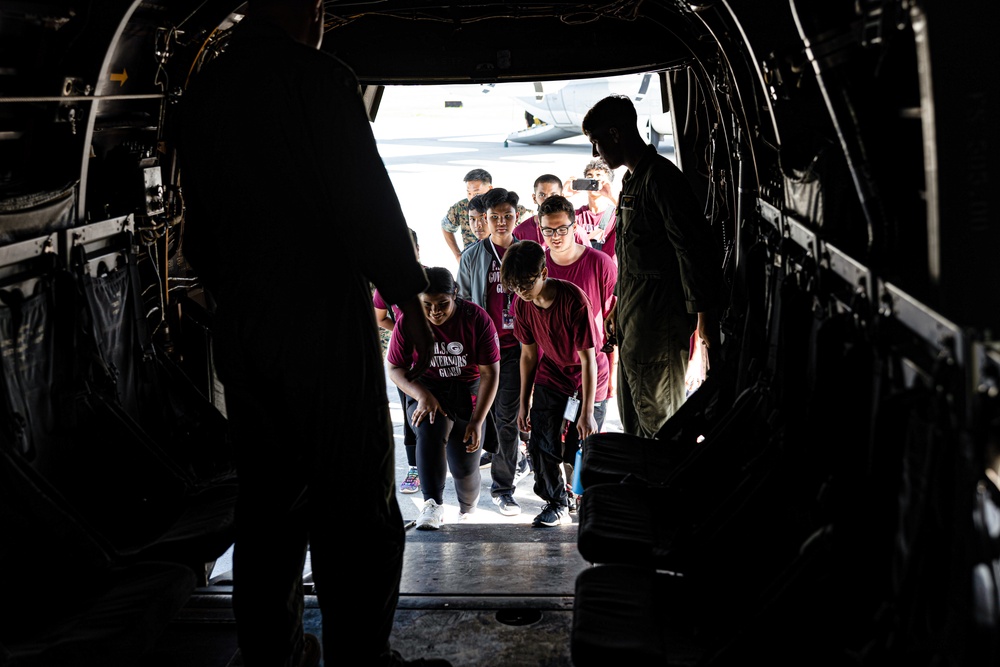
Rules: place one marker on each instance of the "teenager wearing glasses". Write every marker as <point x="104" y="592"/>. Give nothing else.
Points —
<point x="559" y="338"/>
<point x="589" y="269"/>
<point x="546" y="185"/>
<point x="592" y="271"/>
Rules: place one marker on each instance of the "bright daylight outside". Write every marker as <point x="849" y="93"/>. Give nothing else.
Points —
<point x="430" y="137"/>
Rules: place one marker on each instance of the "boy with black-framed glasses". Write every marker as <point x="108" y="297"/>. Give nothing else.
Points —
<point x="555" y="324"/>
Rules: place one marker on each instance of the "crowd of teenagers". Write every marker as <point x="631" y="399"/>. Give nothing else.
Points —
<point x="525" y="344"/>
<point x="490" y="395"/>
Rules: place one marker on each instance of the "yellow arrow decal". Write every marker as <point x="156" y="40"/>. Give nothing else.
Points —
<point x="120" y="78"/>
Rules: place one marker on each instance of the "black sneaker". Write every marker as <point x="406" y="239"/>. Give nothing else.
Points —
<point x="394" y="659"/>
<point x="552" y="515"/>
<point x="485" y="459"/>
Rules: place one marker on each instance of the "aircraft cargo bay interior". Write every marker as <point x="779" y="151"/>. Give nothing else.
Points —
<point x="193" y="256"/>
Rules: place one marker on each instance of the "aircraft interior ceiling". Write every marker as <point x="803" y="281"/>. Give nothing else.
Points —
<point x="846" y="155"/>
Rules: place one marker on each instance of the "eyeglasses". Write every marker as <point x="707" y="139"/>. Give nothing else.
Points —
<point x="557" y="231"/>
<point x="524" y="286"/>
<point x="507" y="217"/>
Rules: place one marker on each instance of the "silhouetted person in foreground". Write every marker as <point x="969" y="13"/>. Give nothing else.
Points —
<point x="266" y="129"/>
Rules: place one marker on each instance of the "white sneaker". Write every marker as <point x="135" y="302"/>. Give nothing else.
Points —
<point x="463" y="517"/>
<point x="432" y="516"/>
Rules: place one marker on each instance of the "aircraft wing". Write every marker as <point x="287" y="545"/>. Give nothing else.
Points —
<point x="559" y="107"/>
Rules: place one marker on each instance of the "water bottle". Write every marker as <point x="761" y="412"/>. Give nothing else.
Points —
<point x="577" y="485"/>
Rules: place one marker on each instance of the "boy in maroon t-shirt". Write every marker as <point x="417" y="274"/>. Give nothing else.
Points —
<point x="555" y="324"/>
<point x="589" y="269"/>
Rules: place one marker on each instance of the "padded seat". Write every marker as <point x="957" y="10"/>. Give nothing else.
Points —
<point x="630" y="615"/>
<point x="610" y="457"/>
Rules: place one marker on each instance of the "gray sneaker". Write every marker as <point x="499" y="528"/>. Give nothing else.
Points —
<point x="508" y="506"/>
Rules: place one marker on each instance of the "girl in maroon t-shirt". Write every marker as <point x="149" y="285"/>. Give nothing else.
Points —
<point x="448" y="405"/>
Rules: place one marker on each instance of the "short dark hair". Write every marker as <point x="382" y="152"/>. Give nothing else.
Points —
<point x="598" y="163"/>
<point x="521" y="265"/>
<point x="498" y="196"/>
<point x="477" y="204"/>
<point x="612" y="111"/>
<point x="555" y="204"/>
<point x="546" y="178"/>
<point x="440" y="281"/>
<point x="479" y="175"/>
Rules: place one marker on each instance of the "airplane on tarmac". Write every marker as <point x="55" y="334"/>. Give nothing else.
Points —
<point x="554" y="110"/>
<point x="828" y="497"/>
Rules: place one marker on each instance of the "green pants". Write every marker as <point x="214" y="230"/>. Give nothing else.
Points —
<point x="653" y="334"/>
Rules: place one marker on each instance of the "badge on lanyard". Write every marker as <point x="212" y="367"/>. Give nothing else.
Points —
<point x="627" y="202"/>
<point x="508" y="317"/>
<point x="572" y="408"/>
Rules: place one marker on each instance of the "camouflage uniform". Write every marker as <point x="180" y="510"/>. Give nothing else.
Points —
<point x="457" y="219"/>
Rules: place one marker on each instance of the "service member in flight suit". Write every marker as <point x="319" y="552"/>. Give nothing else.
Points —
<point x="669" y="268"/>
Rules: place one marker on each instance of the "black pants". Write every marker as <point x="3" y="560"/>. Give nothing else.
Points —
<point x="505" y="407"/>
<point x="440" y="447"/>
<point x="309" y="445"/>
<point x="547" y="447"/>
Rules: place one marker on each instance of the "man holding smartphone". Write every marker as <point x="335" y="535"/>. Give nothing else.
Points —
<point x="596" y="218"/>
